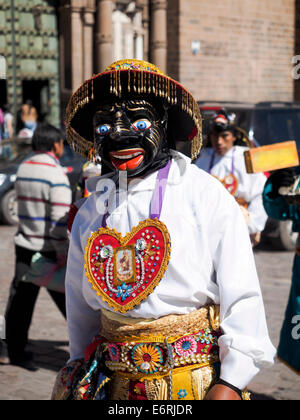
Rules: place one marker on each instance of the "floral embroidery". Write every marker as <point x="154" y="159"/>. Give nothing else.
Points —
<point x="114" y="352"/>
<point x="182" y="394"/>
<point x="206" y="349"/>
<point x="206" y="337"/>
<point x="186" y="346"/>
<point x="124" y="291"/>
<point x="152" y="357"/>
<point x="147" y="358"/>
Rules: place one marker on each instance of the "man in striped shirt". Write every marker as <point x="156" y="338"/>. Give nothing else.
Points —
<point x="44" y="198"/>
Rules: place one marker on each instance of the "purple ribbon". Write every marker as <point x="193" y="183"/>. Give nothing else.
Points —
<point x="159" y="191"/>
<point x="158" y="195"/>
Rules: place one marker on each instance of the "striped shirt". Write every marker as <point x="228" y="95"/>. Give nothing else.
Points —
<point x="44" y="198"/>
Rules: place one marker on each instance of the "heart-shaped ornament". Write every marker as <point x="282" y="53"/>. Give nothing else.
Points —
<point x="125" y="270"/>
<point x="230" y="182"/>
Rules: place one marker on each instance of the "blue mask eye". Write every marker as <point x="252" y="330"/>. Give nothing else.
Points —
<point x="141" y="125"/>
<point x="103" y="129"/>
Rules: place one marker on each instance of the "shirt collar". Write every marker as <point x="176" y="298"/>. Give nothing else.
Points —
<point x="50" y="154"/>
<point x="53" y="156"/>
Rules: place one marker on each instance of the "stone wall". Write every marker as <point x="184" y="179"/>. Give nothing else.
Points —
<point x="297" y="52"/>
<point x="173" y="52"/>
<point x="246" y="48"/>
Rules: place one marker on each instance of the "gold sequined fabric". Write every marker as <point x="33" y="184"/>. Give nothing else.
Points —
<point x="115" y="327"/>
<point x="187" y="380"/>
<point x="154" y="359"/>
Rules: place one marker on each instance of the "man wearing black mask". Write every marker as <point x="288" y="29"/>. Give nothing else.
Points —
<point x="155" y="278"/>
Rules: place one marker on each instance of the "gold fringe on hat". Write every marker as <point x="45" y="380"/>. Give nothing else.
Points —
<point x="143" y="79"/>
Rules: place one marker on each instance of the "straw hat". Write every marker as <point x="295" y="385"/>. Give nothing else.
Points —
<point x="126" y="79"/>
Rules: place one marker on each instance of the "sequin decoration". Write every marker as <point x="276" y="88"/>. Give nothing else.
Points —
<point x="206" y="337"/>
<point x="114" y="352"/>
<point x="143" y="359"/>
<point x="134" y="65"/>
<point x="186" y="346"/>
<point x="147" y="358"/>
<point x="182" y="394"/>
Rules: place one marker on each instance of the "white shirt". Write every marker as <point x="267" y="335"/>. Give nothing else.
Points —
<point x="250" y="186"/>
<point x="7" y="120"/>
<point x="211" y="261"/>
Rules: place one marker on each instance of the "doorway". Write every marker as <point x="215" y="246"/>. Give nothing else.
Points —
<point x="37" y="91"/>
<point x="3" y="92"/>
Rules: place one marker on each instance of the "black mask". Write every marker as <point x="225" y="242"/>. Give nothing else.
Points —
<point x="131" y="135"/>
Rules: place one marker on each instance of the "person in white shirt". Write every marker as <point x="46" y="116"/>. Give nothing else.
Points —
<point x="186" y="319"/>
<point x="224" y="159"/>
<point x="8" y="123"/>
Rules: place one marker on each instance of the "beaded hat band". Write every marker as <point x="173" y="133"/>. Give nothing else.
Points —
<point x="132" y="78"/>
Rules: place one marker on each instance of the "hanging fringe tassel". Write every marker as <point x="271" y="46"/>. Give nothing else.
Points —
<point x="119" y="389"/>
<point x="202" y="380"/>
<point x="157" y="390"/>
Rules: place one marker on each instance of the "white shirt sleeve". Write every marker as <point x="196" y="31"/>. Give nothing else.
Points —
<point x="245" y="345"/>
<point x="83" y="320"/>
<point x="258" y="216"/>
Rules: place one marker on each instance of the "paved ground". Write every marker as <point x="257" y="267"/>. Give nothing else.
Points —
<point x="49" y="340"/>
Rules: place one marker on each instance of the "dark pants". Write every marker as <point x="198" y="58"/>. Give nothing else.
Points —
<point x="21" y="304"/>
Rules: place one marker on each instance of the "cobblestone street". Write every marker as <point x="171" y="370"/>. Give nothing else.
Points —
<point x="49" y="340"/>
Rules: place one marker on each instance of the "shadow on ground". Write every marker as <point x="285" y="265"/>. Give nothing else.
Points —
<point x="268" y="244"/>
<point x="49" y="355"/>
<point x="260" y="397"/>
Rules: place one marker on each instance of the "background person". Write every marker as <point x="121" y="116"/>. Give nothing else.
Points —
<point x="44" y="198"/>
<point x="27" y="120"/>
<point x="277" y="207"/>
<point x="29" y="115"/>
<point x="1" y="124"/>
<point x="8" y="123"/>
<point x="224" y="159"/>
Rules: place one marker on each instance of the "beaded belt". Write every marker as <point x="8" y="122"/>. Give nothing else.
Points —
<point x="152" y="357"/>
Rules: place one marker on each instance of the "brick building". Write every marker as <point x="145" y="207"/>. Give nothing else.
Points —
<point x="226" y="50"/>
<point x="246" y="48"/>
